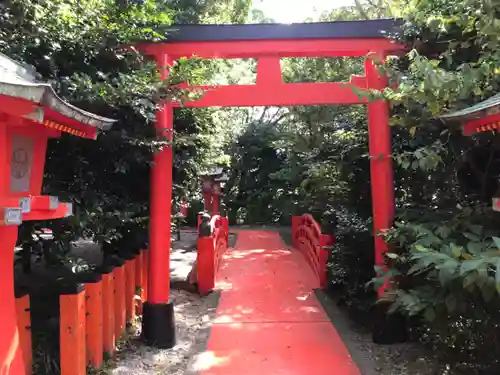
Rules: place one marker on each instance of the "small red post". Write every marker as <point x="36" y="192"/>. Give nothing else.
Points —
<point x="94" y="322"/>
<point x="130" y="289"/>
<point x="108" y="311"/>
<point x="72" y="332"/>
<point x="120" y="309"/>
<point x="381" y="172"/>
<point x="205" y="265"/>
<point x="145" y="276"/>
<point x="11" y="355"/>
<point x="138" y="282"/>
<point x="24" y="327"/>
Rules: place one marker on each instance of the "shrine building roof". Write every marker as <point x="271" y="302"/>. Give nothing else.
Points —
<point x="21" y="81"/>
<point x="480" y="117"/>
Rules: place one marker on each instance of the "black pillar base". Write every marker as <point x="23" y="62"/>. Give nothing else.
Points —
<point x="158" y="325"/>
<point x="388" y="328"/>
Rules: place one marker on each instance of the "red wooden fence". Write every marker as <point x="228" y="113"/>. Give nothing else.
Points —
<point x="210" y="251"/>
<point x="92" y="316"/>
<point x="307" y="238"/>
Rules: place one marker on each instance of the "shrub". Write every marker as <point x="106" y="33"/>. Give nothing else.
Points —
<point x="445" y="276"/>
<point x="351" y="265"/>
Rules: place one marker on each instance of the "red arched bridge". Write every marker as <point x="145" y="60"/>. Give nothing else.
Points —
<point x="269" y="318"/>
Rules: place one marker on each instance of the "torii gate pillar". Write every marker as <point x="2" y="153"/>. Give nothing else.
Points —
<point x="388" y="328"/>
<point x="158" y="325"/>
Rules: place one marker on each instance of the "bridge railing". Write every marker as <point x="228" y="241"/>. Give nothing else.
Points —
<point x="213" y="238"/>
<point x="308" y="239"/>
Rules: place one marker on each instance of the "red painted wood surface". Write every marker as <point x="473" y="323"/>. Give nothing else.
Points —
<point x="130" y="289"/>
<point x="24" y="327"/>
<point x="120" y="309"/>
<point x="487" y="123"/>
<point x="94" y="324"/>
<point x="282" y="94"/>
<point x="281" y="48"/>
<point x="108" y="313"/>
<point x="269" y="320"/>
<point x="139" y="281"/>
<point x="11" y="356"/>
<point x="161" y="204"/>
<point x="145" y="275"/>
<point x="209" y="254"/>
<point x="307" y="238"/>
<point x="72" y="334"/>
<point x="381" y="172"/>
<point x="205" y="270"/>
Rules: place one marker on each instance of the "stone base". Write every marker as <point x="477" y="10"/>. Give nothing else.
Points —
<point x="158" y="325"/>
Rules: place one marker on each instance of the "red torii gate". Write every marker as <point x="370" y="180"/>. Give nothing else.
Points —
<point x="268" y="43"/>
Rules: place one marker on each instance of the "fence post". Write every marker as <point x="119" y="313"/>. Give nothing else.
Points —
<point x="130" y="288"/>
<point x="72" y="330"/>
<point x="205" y="257"/>
<point x="120" y="309"/>
<point x="145" y="276"/>
<point x="108" y="310"/>
<point x="94" y="317"/>
<point x="24" y="328"/>
<point x="139" y="281"/>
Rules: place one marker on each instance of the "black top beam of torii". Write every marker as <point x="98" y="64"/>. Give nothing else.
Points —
<point x="366" y="29"/>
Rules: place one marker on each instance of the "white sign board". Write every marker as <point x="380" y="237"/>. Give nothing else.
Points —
<point x="21" y="162"/>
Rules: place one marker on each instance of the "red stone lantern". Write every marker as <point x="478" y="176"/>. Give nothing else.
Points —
<point x="30" y="114"/>
<point x="212" y="189"/>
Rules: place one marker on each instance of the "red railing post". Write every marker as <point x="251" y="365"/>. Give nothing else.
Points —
<point x="205" y="258"/>
<point x="307" y="238"/>
<point x="24" y="327"/>
<point x="130" y="286"/>
<point x="213" y="236"/>
<point x="108" y="310"/>
<point x="145" y="277"/>
<point x="72" y="331"/>
<point x="94" y="321"/>
<point x="139" y="287"/>
<point x="205" y="265"/>
<point x="120" y="308"/>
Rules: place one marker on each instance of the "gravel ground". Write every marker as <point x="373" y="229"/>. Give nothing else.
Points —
<point x="194" y="316"/>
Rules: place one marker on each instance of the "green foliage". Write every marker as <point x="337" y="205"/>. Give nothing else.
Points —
<point x="80" y="46"/>
<point x="446" y="274"/>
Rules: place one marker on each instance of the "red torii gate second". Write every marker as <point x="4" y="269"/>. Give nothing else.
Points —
<point x="268" y="43"/>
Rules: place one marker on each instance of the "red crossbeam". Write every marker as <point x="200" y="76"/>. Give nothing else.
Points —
<point x="280" y="48"/>
<point x="287" y="94"/>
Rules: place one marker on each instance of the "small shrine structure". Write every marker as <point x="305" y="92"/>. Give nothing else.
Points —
<point x="479" y="118"/>
<point x="30" y="113"/>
